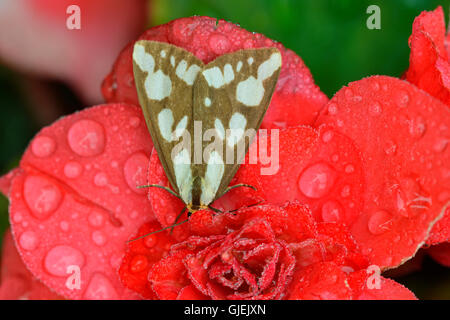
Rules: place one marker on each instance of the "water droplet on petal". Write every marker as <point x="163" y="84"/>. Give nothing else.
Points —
<point x="28" y="240"/>
<point x="390" y="148"/>
<point x="64" y="225"/>
<point x="42" y="196"/>
<point x="440" y="144"/>
<point x="375" y="109"/>
<point x="73" y="170"/>
<point x="219" y="43"/>
<point x="150" y="241"/>
<point x="332" y="109"/>
<point x="135" y="171"/>
<point x="345" y="192"/>
<point x="331" y="211"/>
<point x="135" y="122"/>
<point x="417" y="127"/>
<point x="59" y="258"/>
<point x="101" y="179"/>
<point x="349" y="168"/>
<point x="87" y="138"/>
<point x="138" y="264"/>
<point x="401" y="98"/>
<point x="327" y="136"/>
<point x="317" y="180"/>
<point x="43" y="146"/>
<point x="100" y="288"/>
<point x="98" y="238"/>
<point x="379" y="222"/>
<point x="348" y="93"/>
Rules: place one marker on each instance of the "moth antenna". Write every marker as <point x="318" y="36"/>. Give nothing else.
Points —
<point x="161" y="187"/>
<point x="249" y="206"/>
<point x="160" y="230"/>
<point x="237" y="186"/>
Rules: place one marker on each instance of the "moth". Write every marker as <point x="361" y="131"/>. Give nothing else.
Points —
<point x="227" y="96"/>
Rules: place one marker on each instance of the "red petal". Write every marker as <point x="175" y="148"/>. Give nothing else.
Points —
<point x="6" y="180"/>
<point x="76" y="202"/>
<point x="168" y="275"/>
<point x="141" y="255"/>
<point x="16" y="281"/>
<point x="428" y="62"/>
<point x="190" y="293"/>
<point x="297" y="100"/>
<point x="322" y="170"/>
<point x="321" y="281"/>
<point x="389" y="290"/>
<point x="441" y="253"/>
<point x="396" y="127"/>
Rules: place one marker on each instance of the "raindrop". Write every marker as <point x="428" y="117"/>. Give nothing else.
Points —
<point x="86" y="138"/>
<point x="43" y="146"/>
<point x="317" y="180"/>
<point x="60" y="257"/>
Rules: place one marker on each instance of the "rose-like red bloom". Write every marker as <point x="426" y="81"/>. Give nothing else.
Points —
<point x="263" y="252"/>
<point x="358" y="190"/>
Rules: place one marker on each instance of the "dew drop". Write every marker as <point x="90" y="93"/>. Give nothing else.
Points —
<point x="87" y="138"/>
<point x="28" y="240"/>
<point x="332" y="109"/>
<point x="219" y="43"/>
<point x="331" y="211"/>
<point x="375" y="109"/>
<point x="401" y="98"/>
<point x="150" y="241"/>
<point x="379" y="222"/>
<point x="43" y="146"/>
<point x="73" y="170"/>
<point x="42" y="196"/>
<point x="440" y="145"/>
<point x="349" y="168"/>
<point x="100" y="288"/>
<point x="390" y="148"/>
<point x="345" y="192"/>
<point x="98" y="238"/>
<point x="417" y="127"/>
<point x="317" y="180"/>
<point x="327" y="136"/>
<point x="64" y="225"/>
<point x="348" y="93"/>
<point x="59" y="258"/>
<point x="138" y="263"/>
<point x="135" y="172"/>
<point x="101" y="179"/>
<point x="135" y="122"/>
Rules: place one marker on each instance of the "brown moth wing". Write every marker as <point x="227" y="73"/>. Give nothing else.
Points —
<point x="233" y="91"/>
<point x="164" y="76"/>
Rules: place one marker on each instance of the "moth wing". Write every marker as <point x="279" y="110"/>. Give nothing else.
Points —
<point x="164" y="76"/>
<point x="231" y="96"/>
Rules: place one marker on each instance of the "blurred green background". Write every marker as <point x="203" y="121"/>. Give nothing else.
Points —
<point x="330" y="36"/>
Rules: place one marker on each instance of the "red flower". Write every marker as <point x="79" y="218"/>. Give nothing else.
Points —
<point x="429" y="60"/>
<point x="66" y="54"/>
<point x="358" y="192"/>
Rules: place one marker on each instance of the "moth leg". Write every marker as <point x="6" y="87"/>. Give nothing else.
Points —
<point x="161" y="187"/>
<point x="249" y="206"/>
<point x="178" y="217"/>
<point x="215" y="209"/>
<point x="237" y="186"/>
<point x="157" y="231"/>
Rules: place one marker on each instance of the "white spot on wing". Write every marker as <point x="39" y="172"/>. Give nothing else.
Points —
<point x="183" y="174"/>
<point x="239" y="66"/>
<point x="157" y="84"/>
<point x="163" y="54"/>
<point x="237" y="127"/>
<point x="251" y="91"/>
<point x="213" y="177"/>
<point x="250" y="60"/>
<point x="172" y="61"/>
<point x="215" y="78"/>
<point x="165" y="123"/>
<point x="186" y="74"/>
<point x="207" y="102"/>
